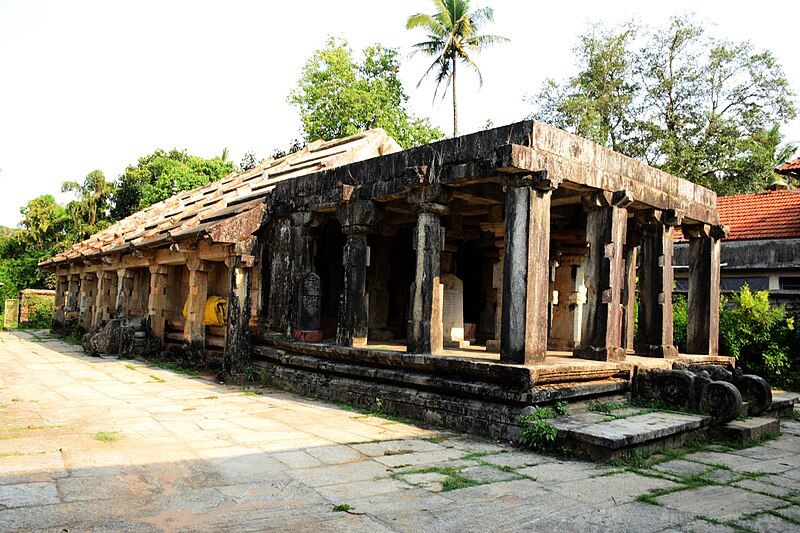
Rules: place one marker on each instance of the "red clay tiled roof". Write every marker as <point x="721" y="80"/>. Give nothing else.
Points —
<point x="789" y="167"/>
<point x="764" y="215"/>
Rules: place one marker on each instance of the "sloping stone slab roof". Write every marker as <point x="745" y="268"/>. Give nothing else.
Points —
<point x="212" y="207"/>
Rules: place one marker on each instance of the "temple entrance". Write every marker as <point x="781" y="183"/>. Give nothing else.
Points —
<point x="329" y="244"/>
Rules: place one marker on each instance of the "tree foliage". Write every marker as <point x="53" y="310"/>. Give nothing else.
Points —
<point x="338" y="96"/>
<point x="90" y="209"/>
<point x="453" y="36"/>
<point x="699" y="107"/>
<point x="159" y="175"/>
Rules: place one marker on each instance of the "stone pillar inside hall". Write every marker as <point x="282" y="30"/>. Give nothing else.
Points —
<point x="356" y="218"/>
<point x="654" y="336"/>
<point x="606" y="228"/>
<point x="565" y="327"/>
<point x="73" y="297"/>
<point x="301" y="284"/>
<point x="629" y="311"/>
<point x="194" y="329"/>
<point x="424" y="333"/>
<point x="702" y="335"/>
<point x="496" y="226"/>
<point x="157" y="300"/>
<point x="106" y="295"/>
<point x="526" y="266"/>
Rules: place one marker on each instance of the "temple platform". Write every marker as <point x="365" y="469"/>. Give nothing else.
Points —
<point x="468" y="389"/>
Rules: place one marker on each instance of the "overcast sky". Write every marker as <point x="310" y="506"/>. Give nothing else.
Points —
<point x="86" y="85"/>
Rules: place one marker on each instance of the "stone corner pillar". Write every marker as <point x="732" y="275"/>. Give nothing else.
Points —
<point x="59" y="307"/>
<point x="604" y="277"/>
<point x="157" y="300"/>
<point x="526" y="270"/>
<point x="356" y="218"/>
<point x="702" y="335"/>
<point x="424" y="333"/>
<point x="72" y="307"/>
<point x="194" y="329"/>
<point x="124" y="291"/>
<point x="656" y="280"/>
<point x="88" y="281"/>
<point x="237" y="330"/>
<point x="106" y="295"/>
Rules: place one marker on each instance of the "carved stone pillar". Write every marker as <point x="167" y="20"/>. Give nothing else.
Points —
<point x="124" y="292"/>
<point x="702" y="335"/>
<point x="194" y="329"/>
<point x="157" y="300"/>
<point x="656" y="282"/>
<point x="237" y="331"/>
<point x="629" y="313"/>
<point x="59" y="307"/>
<point x="356" y="218"/>
<point x="86" y="300"/>
<point x="425" y="313"/>
<point x="73" y="297"/>
<point x="106" y="295"/>
<point x="526" y="265"/>
<point x="606" y="227"/>
<point x="565" y="327"/>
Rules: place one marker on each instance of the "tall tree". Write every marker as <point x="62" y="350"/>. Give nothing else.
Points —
<point x="160" y="175"/>
<point x="338" y="96"/>
<point x="90" y="208"/>
<point x="453" y="34"/>
<point x="701" y="108"/>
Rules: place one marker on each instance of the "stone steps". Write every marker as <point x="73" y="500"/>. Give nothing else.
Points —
<point x="602" y="437"/>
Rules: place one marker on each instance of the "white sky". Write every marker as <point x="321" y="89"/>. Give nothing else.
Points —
<point x="97" y="84"/>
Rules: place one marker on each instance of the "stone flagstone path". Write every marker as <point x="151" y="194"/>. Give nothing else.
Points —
<point x="89" y="443"/>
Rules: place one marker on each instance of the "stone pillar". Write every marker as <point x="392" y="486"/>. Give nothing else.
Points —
<point x="425" y="309"/>
<point x="631" y="260"/>
<point x="702" y="335"/>
<point x="124" y="291"/>
<point x="356" y="218"/>
<point x="656" y="281"/>
<point x="565" y="328"/>
<point x="526" y="266"/>
<point x="88" y="281"/>
<point x="59" y="307"/>
<point x="237" y="330"/>
<point x="606" y="227"/>
<point x="194" y="330"/>
<point x="106" y="295"/>
<point x="73" y="297"/>
<point x="157" y="300"/>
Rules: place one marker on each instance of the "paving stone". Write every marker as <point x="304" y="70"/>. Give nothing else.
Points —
<point x="488" y="474"/>
<point x="701" y="526"/>
<point x="769" y="523"/>
<point x="620" y="433"/>
<point x="630" y="517"/>
<point x="336" y="454"/>
<point x="757" y="485"/>
<point x="618" y="489"/>
<point x="331" y="475"/>
<point x="420" y="458"/>
<point x="793" y="512"/>
<point x="720" y="502"/>
<point x="681" y="467"/>
<point x="563" y="472"/>
<point x="516" y="459"/>
<point x="395" y="447"/>
<point x="297" y="459"/>
<point x="427" y="480"/>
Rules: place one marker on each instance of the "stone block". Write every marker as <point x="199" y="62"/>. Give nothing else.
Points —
<point x="748" y="430"/>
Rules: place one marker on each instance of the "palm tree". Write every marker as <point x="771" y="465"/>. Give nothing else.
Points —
<point x="453" y="34"/>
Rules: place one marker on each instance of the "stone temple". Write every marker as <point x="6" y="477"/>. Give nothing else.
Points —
<point x="457" y="282"/>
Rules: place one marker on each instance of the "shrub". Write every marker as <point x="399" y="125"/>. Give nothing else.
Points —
<point x="680" y="321"/>
<point x="40" y="313"/>
<point x="760" y="336"/>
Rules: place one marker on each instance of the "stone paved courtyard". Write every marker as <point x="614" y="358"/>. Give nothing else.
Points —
<point x="89" y="443"/>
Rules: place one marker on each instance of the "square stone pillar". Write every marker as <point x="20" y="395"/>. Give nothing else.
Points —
<point x="606" y="228"/>
<point x="565" y="322"/>
<point x="526" y="270"/>
<point x="124" y="291"/>
<point x="157" y="300"/>
<point x="88" y="287"/>
<point x="106" y="295"/>
<point x="237" y="330"/>
<point x="194" y="329"/>
<point x="425" y="314"/>
<point x="702" y="335"/>
<point x="656" y="281"/>
<point x="629" y="313"/>
<point x="73" y="297"/>
<point x="356" y="218"/>
<point x="60" y="304"/>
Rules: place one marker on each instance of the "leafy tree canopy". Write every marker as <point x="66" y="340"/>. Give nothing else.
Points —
<point x="338" y="96"/>
<point x="90" y="210"/>
<point x="699" y="107"/>
<point x="159" y="175"/>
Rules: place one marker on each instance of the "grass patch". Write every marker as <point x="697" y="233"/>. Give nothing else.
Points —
<point x="105" y="436"/>
<point x="212" y="397"/>
<point x="606" y="407"/>
<point x="342" y="508"/>
<point x="9" y="454"/>
<point x="130" y="366"/>
<point x="436" y="439"/>
<point x="157" y="379"/>
<point x="454" y="478"/>
<point x="252" y="393"/>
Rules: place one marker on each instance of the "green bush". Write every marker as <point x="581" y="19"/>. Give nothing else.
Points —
<point x="680" y="320"/>
<point x="40" y="313"/>
<point x="760" y="336"/>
